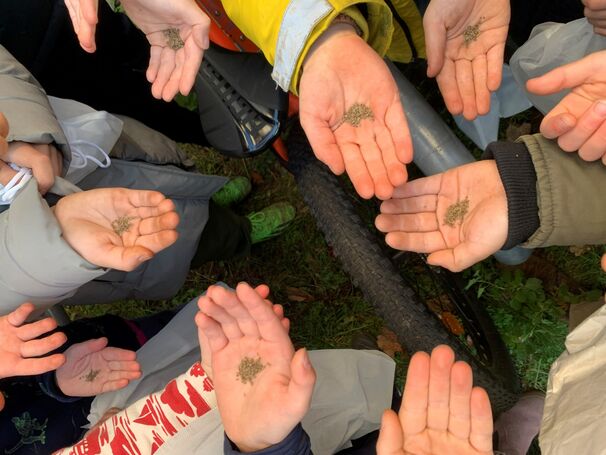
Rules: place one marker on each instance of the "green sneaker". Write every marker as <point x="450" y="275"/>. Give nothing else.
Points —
<point x="233" y="192"/>
<point x="271" y="221"/>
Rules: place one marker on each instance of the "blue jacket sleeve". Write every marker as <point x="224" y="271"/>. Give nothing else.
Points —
<point x="296" y="443"/>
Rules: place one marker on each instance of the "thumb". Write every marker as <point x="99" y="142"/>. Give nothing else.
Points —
<point x="435" y="44"/>
<point x="126" y="258"/>
<point x="554" y="126"/>
<point x="302" y="381"/>
<point x="324" y="143"/>
<point x="391" y="440"/>
<point x="81" y="350"/>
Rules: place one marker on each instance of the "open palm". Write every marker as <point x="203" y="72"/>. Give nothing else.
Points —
<point x="578" y="121"/>
<point x="116" y="227"/>
<point x="342" y="71"/>
<point x="92" y="368"/>
<point x="465" y="41"/>
<point x="258" y="410"/>
<point x="441" y="412"/>
<point x="171" y="68"/>
<point x="420" y="217"/>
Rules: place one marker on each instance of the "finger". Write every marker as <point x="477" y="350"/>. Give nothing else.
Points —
<point x="278" y="310"/>
<point x="420" y="187"/>
<point x="153" y="243"/>
<point x="192" y="60"/>
<point x="441" y="362"/>
<point x="301" y="386"/>
<point x="269" y="324"/>
<point x="481" y="421"/>
<point x="556" y="124"/>
<point x="167" y="65"/>
<point x="88" y="24"/>
<point x="435" y="44"/>
<point x="603" y="261"/>
<point x="3" y="126"/>
<point x="418" y="222"/>
<point x="494" y="61"/>
<point x="395" y="120"/>
<point x="155" y="52"/>
<point x="228" y="323"/>
<point x="416" y="242"/>
<point x="374" y="161"/>
<point x="2" y="401"/>
<point x="20" y="315"/>
<point x="461" y="383"/>
<point x="123" y="258"/>
<point x="163" y="207"/>
<point x="480" y="84"/>
<point x="263" y="290"/>
<point x="585" y="127"/>
<point x="124" y="365"/>
<point x="36" y="348"/>
<point x="210" y="334"/>
<point x="413" y="411"/>
<point x="123" y="375"/>
<point x="464" y="74"/>
<point x="145" y="198"/>
<point x="390" y="440"/>
<point x="229" y="301"/>
<point x="565" y="76"/>
<point x="355" y="166"/>
<point x="396" y="171"/>
<point x="172" y="86"/>
<point x="111" y="386"/>
<point x="459" y="258"/>
<point x="80" y="350"/>
<point x="31" y="367"/>
<point x="413" y="204"/>
<point x="35" y="329"/>
<point x="152" y="225"/>
<point x="595" y="147"/>
<point x="119" y="355"/>
<point x="447" y="83"/>
<point x="323" y="142"/>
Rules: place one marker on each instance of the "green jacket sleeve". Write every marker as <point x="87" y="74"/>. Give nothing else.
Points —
<point x="571" y="195"/>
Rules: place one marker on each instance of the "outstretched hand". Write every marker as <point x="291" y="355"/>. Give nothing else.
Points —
<point x="578" y="122"/>
<point x="23" y="350"/>
<point x="459" y="216"/>
<point x="465" y="42"/>
<point x="263" y="387"/>
<point x="117" y="228"/>
<point x="341" y="71"/>
<point x="92" y="368"/>
<point x="441" y="412"/>
<point x="177" y="32"/>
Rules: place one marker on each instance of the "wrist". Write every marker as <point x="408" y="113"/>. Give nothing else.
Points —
<point x="334" y="31"/>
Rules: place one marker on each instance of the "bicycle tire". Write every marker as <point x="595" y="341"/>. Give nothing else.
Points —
<point x="373" y="272"/>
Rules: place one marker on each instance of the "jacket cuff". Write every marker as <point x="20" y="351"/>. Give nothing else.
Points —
<point x="296" y="443"/>
<point x="520" y="181"/>
<point x="48" y="384"/>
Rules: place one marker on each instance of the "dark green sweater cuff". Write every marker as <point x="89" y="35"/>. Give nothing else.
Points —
<point x="520" y="181"/>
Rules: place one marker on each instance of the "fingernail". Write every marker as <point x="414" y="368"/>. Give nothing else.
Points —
<point x="600" y="108"/>
<point x="306" y="362"/>
<point x="565" y="123"/>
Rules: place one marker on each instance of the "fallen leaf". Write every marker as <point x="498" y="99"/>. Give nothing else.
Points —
<point x="298" y="295"/>
<point x="257" y="178"/>
<point x="452" y="323"/>
<point x="388" y="342"/>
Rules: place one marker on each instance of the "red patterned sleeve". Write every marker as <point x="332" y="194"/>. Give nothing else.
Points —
<point x="143" y="427"/>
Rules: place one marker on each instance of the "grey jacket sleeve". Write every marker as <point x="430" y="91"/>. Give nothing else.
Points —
<point x="571" y="195"/>
<point x="36" y="264"/>
<point x="26" y="106"/>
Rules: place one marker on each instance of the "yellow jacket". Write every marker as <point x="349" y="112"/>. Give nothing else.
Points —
<point x="285" y="29"/>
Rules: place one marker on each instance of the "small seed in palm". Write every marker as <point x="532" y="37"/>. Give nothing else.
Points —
<point x="249" y="368"/>
<point x="173" y="38"/>
<point x="456" y="212"/>
<point x="122" y="224"/>
<point x="472" y="33"/>
<point x="91" y="375"/>
<point x="356" y="113"/>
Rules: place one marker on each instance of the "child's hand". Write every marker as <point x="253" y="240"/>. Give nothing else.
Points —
<point x="263" y="387"/>
<point x="92" y="368"/>
<point x="45" y="161"/>
<point x="22" y="352"/>
<point x="117" y="228"/>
